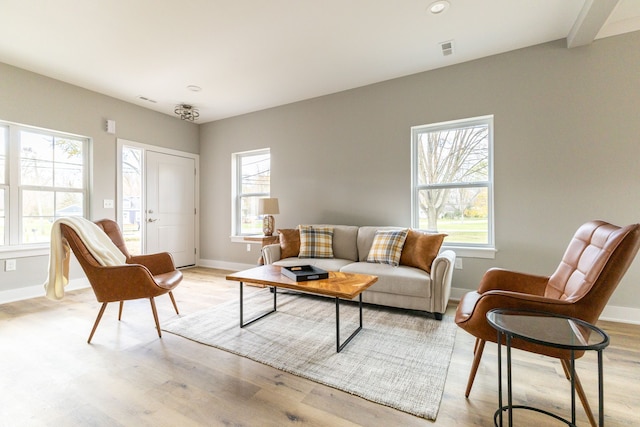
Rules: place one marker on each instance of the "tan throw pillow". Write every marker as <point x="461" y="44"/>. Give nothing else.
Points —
<point x="289" y="242"/>
<point x="316" y="242"/>
<point x="387" y="246"/>
<point x="420" y="249"/>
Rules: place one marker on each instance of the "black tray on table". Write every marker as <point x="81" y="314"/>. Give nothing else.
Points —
<point x="303" y="273"/>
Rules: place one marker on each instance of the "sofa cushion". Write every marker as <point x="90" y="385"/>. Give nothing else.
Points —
<point x="344" y="241"/>
<point x="365" y="239"/>
<point x="289" y="242"/>
<point x="420" y="249"/>
<point x="401" y="280"/>
<point x="316" y="242"/>
<point x="387" y="247"/>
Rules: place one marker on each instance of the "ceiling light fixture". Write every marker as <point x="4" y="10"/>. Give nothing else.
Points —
<point x="187" y="112"/>
<point x="194" y="88"/>
<point x="439" y="6"/>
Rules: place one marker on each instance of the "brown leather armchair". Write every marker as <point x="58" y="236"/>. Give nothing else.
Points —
<point x="597" y="258"/>
<point x="143" y="276"/>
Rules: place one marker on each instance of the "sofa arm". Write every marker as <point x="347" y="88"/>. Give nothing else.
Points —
<point x="441" y="275"/>
<point x="271" y="253"/>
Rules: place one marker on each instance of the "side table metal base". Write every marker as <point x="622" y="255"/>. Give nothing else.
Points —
<point x="530" y="408"/>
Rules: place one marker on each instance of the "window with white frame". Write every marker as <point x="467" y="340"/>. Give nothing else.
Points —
<point x="251" y="181"/>
<point x="43" y="176"/>
<point x="4" y="189"/>
<point x="452" y="180"/>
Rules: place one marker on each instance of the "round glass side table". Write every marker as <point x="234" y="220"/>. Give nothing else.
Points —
<point x="550" y="330"/>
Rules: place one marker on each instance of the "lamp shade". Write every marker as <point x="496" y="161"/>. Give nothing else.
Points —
<point x="268" y="206"/>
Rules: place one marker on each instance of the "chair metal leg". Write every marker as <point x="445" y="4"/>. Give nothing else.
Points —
<point x="566" y="366"/>
<point x="479" y="348"/>
<point x="155" y="316"/>
<point x="95" y="325"/>
<point x="120" y="310"/>
<point x="173" y="300"/>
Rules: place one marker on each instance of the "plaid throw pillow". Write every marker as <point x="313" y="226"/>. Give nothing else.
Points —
<point x="387" y="247"/>
<point x="316" y="242"/>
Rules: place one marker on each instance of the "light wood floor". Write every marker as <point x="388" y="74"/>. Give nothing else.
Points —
<point x="50" y="376"/>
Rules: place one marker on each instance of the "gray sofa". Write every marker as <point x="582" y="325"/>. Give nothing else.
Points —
<point x="402" y="286"/>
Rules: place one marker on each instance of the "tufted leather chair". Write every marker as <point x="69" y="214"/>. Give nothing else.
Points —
<point x="598" y="256"/>
<point x="143" y="276"/>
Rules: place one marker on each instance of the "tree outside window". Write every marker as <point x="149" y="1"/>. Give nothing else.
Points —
<point x="452" y="180"/>
<point x="52" y="182"/>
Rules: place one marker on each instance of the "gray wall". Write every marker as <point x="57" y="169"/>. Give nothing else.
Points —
<point x="567" y="150"/>
<point x="35" y="100"/>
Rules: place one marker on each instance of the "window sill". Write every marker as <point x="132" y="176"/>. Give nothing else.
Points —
<point x="24" y="251"/>
<point x="471" y="252"/>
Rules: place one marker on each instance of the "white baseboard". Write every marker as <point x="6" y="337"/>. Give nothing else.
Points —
<point x="19" y="294"/>
<point x="610" y="313"/>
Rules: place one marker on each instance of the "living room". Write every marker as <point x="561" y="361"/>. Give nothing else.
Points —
<point x="566" y="151"/>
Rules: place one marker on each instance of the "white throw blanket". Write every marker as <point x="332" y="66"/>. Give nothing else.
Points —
<point x="96" y="241"/>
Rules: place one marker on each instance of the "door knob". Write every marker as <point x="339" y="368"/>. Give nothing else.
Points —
<point x="152" y="220"/>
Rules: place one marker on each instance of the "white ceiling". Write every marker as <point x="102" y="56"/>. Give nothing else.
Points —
<point x="249" y="55"/>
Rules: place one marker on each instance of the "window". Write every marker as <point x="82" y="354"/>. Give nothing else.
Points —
<point x="4" y="191"/>
<point x="452" y="181"/>
<point x="43" y="176"/>
<point x="252" y="180"/>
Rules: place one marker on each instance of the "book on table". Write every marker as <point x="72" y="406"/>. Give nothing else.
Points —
<point x="303" y="273"/>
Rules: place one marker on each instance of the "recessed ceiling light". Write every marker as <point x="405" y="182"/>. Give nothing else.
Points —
<point x="439" y="6"/>
<point x="194" y="88"/>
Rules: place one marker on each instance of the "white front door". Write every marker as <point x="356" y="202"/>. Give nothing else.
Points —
<point x="170" y="206"/>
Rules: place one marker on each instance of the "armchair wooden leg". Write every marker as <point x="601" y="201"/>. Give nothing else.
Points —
<point x="95" y="325"/>
<point x="173" y="300"/>
<point x="155" y="316"/>
<point x="120" y="310"/>
<point x="476" y="345"/>
<point x="478" y="349"/>
<point x="566" y="366"/>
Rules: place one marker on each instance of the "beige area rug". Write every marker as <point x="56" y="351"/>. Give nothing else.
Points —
<point x="398" y="359"/>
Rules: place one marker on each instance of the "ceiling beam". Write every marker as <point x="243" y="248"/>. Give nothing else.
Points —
<point x="592" y="17"/>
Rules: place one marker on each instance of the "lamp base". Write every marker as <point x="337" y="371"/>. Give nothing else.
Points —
<point x="268" y="224"/>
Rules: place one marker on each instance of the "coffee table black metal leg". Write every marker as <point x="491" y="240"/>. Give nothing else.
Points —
<point x="242" y="322"/>
<point x="339" y="346"/>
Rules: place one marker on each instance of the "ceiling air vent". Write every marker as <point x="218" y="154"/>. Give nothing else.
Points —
<point x="144" y="98"/>
<point x="447" y="48"/>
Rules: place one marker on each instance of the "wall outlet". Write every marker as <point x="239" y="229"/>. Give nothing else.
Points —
<point x="248" y="247"/>
<point x="107" y="203"/>
<point x="458" y="264"/>
<point x="10" y="265"/>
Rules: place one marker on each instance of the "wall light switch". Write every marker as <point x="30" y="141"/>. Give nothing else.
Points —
<point x="111" y="126"/>
<point x="248" y="247"/>
<point x="108" y="204"/>
<point x="458" y="264"/>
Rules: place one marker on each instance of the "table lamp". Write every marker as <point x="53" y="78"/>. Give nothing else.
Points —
<point x="268" y="207"/>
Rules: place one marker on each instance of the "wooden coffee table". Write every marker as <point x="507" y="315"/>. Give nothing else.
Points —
<point x="338" y="285"/>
